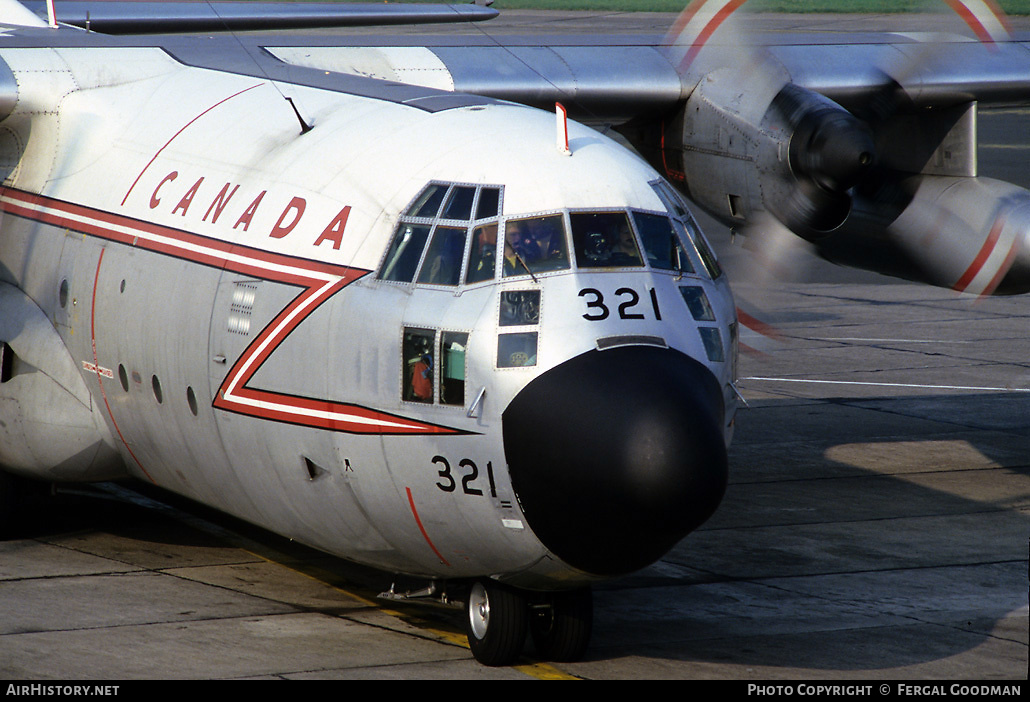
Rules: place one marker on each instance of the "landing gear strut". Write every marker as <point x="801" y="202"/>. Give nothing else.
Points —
<point x="497" y="619"/>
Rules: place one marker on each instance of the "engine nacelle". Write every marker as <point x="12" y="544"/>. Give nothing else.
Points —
<point x="750" y="141"/>
<point x="894" y="191"/>
<point x="968" y="234"/>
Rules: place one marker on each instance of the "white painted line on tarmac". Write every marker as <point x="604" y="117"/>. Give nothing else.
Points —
<point x="887" y="385"/>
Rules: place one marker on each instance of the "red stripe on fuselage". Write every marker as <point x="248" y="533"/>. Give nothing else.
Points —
<point x="100" y="381"/>
<point x="319" y="281"/>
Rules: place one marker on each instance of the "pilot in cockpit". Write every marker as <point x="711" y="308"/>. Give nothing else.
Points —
<point x="624" y="250"/>
<point x="534" y="245"/>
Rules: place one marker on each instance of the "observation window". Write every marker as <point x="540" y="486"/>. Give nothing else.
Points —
<point x="697" y="303"/>
<point x="417" y="372"/>
<point x="452" y="374"/>
<point x="604" y="240"/>
<point x="712" y="340"/>
<point x="519" y="308"/>
<point x="516" y="350"/>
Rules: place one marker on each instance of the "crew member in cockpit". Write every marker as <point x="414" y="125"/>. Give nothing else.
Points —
<point x="519" y="251"/>
<point x="624" y="252"/>
<point x="535" y="245"/>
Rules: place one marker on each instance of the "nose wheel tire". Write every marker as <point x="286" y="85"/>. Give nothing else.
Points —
<point x="496" y="621"/>
<point x="561" y="631"/>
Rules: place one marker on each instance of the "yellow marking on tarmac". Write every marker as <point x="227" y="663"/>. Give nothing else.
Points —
<point x="541" y="671"/>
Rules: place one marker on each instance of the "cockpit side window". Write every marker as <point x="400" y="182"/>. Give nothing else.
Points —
<point x="535" y="245"/>
<point x="662" y="246"/>
<point x="604" y="240"/>
<point x="482" y="261"/>
<point x="685" y="224"/>
<point x="707" y="255"/>
<point x="442" y="265"/>
<point x="442" y="216"/>
<point x="405" y="253"/>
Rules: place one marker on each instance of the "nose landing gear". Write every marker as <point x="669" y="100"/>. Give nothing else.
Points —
<point x="498" y="618"/>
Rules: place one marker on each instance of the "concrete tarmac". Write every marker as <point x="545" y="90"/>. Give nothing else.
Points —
<point x="876" y="526"/>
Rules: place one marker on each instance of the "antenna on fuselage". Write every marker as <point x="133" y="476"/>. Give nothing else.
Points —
<point x="304" y="126"/>
<point x="51" y="14"/>
<point x="563" y="129"/>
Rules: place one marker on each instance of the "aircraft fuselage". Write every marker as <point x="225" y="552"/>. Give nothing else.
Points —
<point x="346" y="335"/>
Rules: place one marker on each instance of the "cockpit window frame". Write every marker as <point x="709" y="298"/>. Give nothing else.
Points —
<point x="679" y="211"/>
<point x="410" y="219"/>
<point x="520" y="271"/>
<point x="578" y="249"/>
<point x="692" y="240"/>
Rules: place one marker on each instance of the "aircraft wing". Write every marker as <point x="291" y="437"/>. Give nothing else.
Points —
<point x="863" y="145"/>
<point x="616" y="79"/>
<point x="171" y="17"/>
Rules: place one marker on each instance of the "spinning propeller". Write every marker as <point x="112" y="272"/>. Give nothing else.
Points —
<point x="876" y="181"/>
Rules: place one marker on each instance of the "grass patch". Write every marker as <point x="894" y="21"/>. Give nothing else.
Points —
<point x="1013" y="7"/>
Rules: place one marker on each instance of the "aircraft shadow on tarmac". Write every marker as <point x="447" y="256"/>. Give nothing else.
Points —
<point x="882" y="532"/>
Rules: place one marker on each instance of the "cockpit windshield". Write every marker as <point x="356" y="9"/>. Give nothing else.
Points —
<point x="534" y="245"/>
<point x="455" y="234"/>
<point x="604" y="240"/>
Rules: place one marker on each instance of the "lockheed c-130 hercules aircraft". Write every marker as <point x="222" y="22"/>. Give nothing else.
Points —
<point x="369" y="295"/>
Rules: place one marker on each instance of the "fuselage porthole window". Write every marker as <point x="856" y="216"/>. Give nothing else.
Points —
<point x="452" y="371"/>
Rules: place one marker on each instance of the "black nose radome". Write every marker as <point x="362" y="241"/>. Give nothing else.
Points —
<point x="617" y="455"/>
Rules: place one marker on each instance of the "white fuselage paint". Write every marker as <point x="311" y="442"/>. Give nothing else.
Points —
<point x="214" y="258"/>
